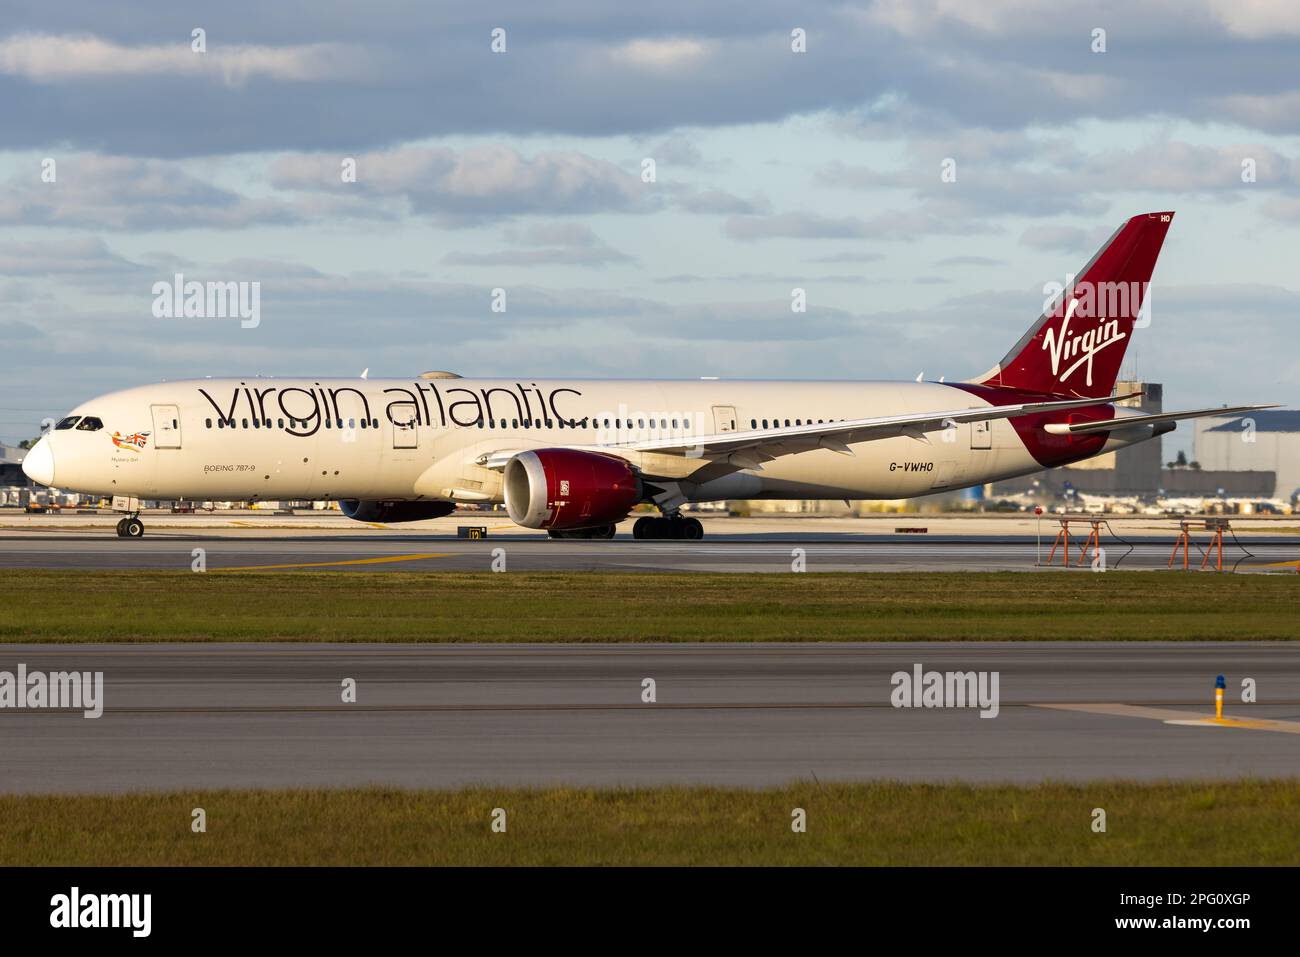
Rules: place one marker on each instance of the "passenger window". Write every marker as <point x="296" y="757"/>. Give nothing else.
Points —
<point x="245" y="423"/>
<point x="221" y="423"/>
<point x="208" y="423"/>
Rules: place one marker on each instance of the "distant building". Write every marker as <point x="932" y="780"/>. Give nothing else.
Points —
<point x="11" y="467"/>
<point x="1268" y="440"/>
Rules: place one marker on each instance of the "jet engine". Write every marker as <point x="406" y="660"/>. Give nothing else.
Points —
<point x="560" y="489"/>
<point x="394" y="511"/>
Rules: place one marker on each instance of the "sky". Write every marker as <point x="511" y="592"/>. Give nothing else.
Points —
<point x="648" y="185"/>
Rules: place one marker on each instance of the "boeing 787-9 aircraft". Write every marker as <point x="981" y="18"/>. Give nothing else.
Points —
<point x="574" y="456"/>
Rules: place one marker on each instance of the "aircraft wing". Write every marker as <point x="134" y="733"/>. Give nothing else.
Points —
<point x="749" y="450"/>
<point x="1114" y="425"/>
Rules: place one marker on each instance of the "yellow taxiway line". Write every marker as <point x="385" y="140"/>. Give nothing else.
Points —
<point x="385" y="559"/>
<point x="1185" y="718"/>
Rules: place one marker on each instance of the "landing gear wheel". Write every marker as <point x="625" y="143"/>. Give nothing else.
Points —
<point x="606" y="531"/>
<point x="121" y="528"/>
<point x="674" y="528"/>
<point x="132" y="528"/>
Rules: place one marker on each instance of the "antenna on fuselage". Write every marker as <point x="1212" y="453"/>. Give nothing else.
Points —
<point x="365" y="373"/>
<point x="920" y="375"/>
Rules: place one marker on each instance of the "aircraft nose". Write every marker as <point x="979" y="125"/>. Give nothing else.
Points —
<point x="39" y="463"/>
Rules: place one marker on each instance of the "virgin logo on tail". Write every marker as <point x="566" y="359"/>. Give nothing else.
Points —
<point x="1062" y="346"/>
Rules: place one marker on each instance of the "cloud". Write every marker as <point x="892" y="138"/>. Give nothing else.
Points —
<point x="552" y="256"/>
<point x="585" y="70"/>
<point x="670" y="53"/>
<point x="1257" y="19"/>
<point x="848" y="257"/>
<point x="1276" y="112"/>
<point x="796" y="226"/>
<point x="62" y="257"/>
<point x="567" y="244"/>
<point x="1055" y="238"/>
<point x="720" y="202"/>
<point x="42" y="58"/>
<point x="970" y="261"/>
<point x="489" y="180"/>
<point x="114" y="192"/>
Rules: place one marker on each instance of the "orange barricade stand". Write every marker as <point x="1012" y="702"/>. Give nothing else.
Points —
<point x="1063" y="536"/>
<point x="1215" y="526"/>
<point x="1094" y="539"/>
<point x="1063" y="539"/>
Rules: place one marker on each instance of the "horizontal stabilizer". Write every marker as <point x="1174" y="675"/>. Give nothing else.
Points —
<point x="1128" y="422"/>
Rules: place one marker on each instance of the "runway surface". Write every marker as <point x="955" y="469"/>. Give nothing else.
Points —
<point x="358" y="551"/>
<point x="238" y="716"/>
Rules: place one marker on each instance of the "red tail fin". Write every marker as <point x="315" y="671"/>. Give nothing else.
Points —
<point x="1077" y="346"/>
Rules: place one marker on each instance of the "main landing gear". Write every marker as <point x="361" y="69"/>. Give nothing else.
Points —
<point x="130" y="527"/>
<point x="597" y="531"/>
<point x="689" y="529"/>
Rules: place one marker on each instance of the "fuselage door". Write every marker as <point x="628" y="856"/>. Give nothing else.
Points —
<point x="981" y="435"/>
<point x="724" y="418"/>
<point x="405" y="433"/>
<point x="166" y="426"/>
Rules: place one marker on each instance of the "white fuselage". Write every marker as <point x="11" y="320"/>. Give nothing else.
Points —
<point x="429" y="439"/>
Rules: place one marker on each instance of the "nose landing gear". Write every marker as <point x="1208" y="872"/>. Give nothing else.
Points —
<point x="130" y="527"/>
<point x="674" y="527"/>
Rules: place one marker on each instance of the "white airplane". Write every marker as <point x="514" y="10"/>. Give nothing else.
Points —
<point x="575" y="456"/>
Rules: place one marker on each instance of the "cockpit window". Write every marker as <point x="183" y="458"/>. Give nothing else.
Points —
<point x="67" y="423"/>
<point x="90" y="424"/>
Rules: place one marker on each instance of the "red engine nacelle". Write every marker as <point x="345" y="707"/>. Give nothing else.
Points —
<point x="565" y="488"/>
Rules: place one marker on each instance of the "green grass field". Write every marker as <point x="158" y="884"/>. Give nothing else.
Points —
<point x="1244" y="823"/>
<point x="591" y="607"/>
